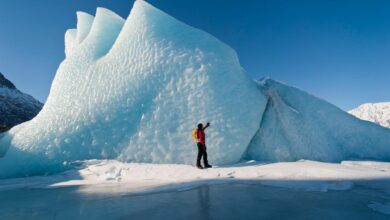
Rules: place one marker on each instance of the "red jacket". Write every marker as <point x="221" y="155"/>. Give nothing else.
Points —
<point x="202" y="136"/>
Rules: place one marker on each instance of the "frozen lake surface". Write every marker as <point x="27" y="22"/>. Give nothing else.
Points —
<point x="225" y="201"/>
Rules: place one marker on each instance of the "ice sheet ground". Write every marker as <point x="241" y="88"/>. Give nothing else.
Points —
<point x="228" y="201"/>
<point x="136" y="177"/>
<point x="304" y="189"/>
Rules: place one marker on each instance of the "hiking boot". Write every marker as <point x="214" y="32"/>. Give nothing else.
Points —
<point x="199" y="166"/>
<point x="208" y="166"/>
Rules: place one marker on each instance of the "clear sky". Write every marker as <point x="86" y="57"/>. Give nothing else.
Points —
<point x="338" y="50"/>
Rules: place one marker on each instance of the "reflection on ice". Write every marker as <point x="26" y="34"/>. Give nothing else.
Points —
<point x="231" y="201"/>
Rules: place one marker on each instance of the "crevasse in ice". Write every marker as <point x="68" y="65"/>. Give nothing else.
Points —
<point x="134" y="89"/>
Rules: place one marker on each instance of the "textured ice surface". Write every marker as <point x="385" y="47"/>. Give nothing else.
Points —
<point x="297" y="125"/>
<point x="73" y="37"/>
<point x="134" y="90"/>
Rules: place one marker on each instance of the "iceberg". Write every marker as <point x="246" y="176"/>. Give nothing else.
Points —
<point x="133" y="90"/>
<point x="296" y="125"/>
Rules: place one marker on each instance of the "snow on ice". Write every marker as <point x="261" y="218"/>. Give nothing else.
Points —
<point x="140" y="177"/>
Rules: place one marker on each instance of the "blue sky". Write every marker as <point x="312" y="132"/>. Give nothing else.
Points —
<point x="338" y="50"/>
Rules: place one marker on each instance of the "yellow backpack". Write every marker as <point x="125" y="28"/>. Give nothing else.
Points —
<point x="195" y="135"/>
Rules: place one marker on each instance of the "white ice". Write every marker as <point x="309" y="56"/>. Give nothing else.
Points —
<point x="113" y="190"/>
<point x="357" y="189"/>
<point x="297" y="125"/>
<point x="139" y="177"/>
<point x="134" y="90"/>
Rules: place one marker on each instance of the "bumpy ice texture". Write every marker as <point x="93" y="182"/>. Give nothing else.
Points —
<point x="133" y="90"/>
<point x="296" y="125"/>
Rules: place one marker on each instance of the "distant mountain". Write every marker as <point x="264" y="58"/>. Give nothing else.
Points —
<point x="378" y="113"/>
<point x="15" y="106"/>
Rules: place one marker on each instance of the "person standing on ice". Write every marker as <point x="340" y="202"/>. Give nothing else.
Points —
<point x="200" y="138"/>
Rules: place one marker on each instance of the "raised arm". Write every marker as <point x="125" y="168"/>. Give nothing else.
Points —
<point x="207" y="125"/>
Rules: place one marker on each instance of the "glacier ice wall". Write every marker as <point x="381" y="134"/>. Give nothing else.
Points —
<point x="133" y="90"/>
<point x="296" y="125"/>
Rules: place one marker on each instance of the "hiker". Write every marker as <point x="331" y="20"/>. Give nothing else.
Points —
<point x="200" y="137"/>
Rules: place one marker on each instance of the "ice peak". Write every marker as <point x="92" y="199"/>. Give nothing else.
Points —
<point x="145" y="13"/>
<point x="95" y="35"/>
<point x="84" y="24"/>
<point x="143" y="6"/>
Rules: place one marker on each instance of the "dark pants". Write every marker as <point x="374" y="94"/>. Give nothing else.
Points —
<point x="202" y="152"/>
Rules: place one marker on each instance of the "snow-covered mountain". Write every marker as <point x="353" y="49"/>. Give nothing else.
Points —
<point x="378" y="113"/>
<point x="15" y="107"/>
<point x="133" y="90"/>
